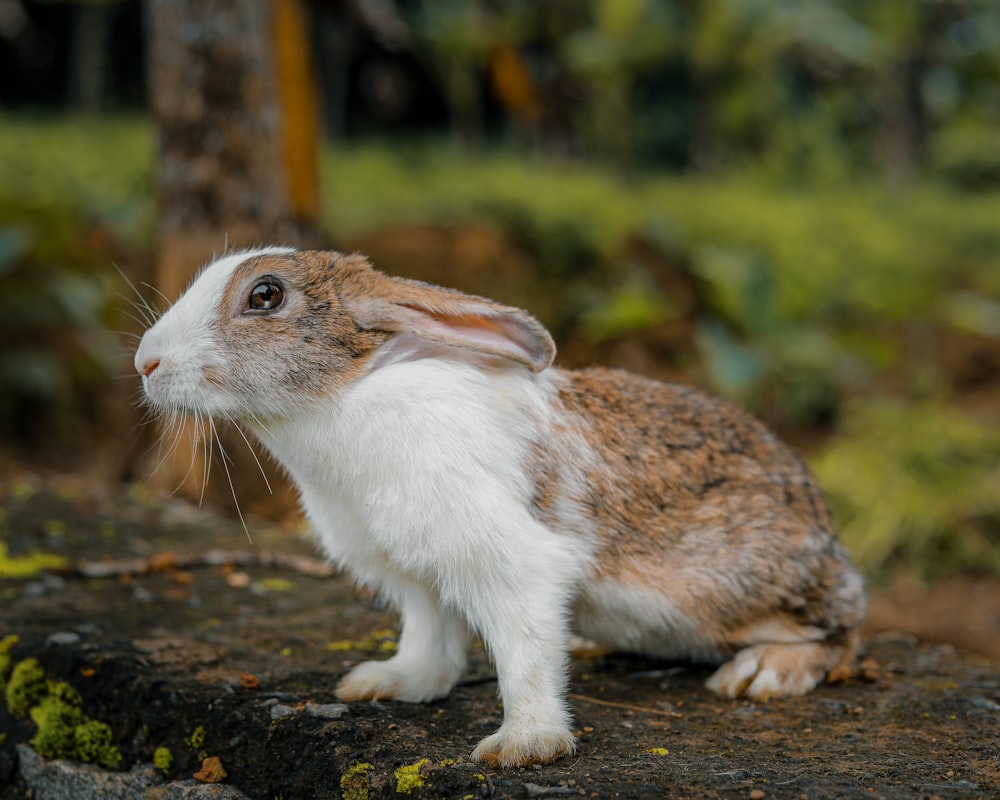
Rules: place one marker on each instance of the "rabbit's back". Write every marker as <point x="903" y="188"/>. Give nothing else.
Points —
<point x="670" y="448"/>
<point x="701" y="511"/>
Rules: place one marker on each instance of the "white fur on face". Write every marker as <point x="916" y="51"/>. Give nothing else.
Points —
<point x="184" y="344"/>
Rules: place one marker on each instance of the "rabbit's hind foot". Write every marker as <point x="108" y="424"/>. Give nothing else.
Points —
<point x="766" y="671"/>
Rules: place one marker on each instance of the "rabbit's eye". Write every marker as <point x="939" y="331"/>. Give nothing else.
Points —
<point x="266" y="297"/>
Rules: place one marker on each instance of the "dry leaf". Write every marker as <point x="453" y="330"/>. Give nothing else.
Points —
<point x="249" y="681"/>
<point x="211" y="771"/>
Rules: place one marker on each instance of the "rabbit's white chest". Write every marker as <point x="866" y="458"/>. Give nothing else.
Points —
<point x="419" y="469"/>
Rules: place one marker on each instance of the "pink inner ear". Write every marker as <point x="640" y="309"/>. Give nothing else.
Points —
<point x="500" y="335"/>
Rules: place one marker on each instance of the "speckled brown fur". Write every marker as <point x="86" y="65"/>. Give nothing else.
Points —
<point x="692" y="494"/>
<point x="330" y="350"/>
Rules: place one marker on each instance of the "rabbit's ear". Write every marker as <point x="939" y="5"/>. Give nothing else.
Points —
<point x="447" y="317"/>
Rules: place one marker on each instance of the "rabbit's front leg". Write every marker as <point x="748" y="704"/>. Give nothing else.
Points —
<point x="430" y="657"/>
<point x="527" y="631"/>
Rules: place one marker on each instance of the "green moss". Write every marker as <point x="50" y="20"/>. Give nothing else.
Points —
<point x="276" y="585"/>
<point x="354" y="783"/>
<point x="26" y="688"/>
<point x="27" y="565"/>
<point x="56" y="708"/>
<point x="408" y="777"/>
<point x="65" y="693"/>
<point x="94" y="744"/>
<point x="197" y="738"/>
<point x="64" y="731"/>
<point x="7" y="644"/>
<point x="163" y="759"/>
<point x="57" y="721"/>
<point x="382" y="640"/>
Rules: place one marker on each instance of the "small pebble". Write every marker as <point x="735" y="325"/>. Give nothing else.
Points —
<point x="62" y="639"/>
<point x="279" y="711"/>
<point x="142" y="595"/>
<point x="327" y="710"/>
<point x="757" y="794"/>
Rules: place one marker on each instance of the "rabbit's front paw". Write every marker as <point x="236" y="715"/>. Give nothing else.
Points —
<point x="764" y="671"/>
<point x="520" y="745"/>
<point x="390" y="680"/>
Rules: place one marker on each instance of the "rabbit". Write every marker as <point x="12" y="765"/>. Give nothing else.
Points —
<point x="445" y="463"/>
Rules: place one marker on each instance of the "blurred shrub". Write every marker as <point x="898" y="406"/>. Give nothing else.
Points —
<point x="570" y="218"/>
<point x="63" y="185"/>
<point x="97" y="168"/>
<point x="57" y="308"/>
<point x="915" y="485"/>
<point x="968" y="155"/>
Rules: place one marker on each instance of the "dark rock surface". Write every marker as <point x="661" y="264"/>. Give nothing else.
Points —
<point x="180" y="633"/>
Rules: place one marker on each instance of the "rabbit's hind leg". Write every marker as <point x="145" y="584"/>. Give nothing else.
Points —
<point x="769" y="670"/>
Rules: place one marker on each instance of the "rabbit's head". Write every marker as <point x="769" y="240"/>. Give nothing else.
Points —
<point x="263" y="332"/>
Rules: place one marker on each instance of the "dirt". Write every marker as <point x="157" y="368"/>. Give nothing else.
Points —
<point x="248" y="642"/>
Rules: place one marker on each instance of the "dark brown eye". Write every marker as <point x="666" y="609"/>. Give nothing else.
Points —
<point x="266" y="297"/>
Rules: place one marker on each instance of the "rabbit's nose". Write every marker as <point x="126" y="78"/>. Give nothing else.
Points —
<point x="148" y="368"/>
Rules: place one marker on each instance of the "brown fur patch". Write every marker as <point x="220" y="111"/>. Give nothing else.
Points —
<point x="699" y="500"/>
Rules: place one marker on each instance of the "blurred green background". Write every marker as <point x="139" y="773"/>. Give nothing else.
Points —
<point x="796" y="204"/>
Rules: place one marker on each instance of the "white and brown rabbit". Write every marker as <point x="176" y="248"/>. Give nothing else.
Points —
<point x="446" y="465"/>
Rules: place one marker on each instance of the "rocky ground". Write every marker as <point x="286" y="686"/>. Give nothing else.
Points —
<point x="185" y="636"/>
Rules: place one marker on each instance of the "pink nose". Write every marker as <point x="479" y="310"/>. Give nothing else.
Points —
<point x="149" y="367"/>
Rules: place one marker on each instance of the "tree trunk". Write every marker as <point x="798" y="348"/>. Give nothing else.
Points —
<point x="234" y="100"/>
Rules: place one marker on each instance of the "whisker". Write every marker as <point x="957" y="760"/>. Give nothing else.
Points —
<point x="161" y="294"/>
<point x="143" y="306"/>
<point x="260" y="466"/>
<point x="208" y="445"/>
<point x="119" y="334"/>
<point x="141" y="321"/>
<point x="229" y="478"/>
<point x="256" y="420"/>
<point x="175" y="432"/>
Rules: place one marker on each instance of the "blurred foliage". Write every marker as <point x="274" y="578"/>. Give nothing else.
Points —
<point x="81" y="168"/>
<point x="57" y="306"/>
<point x="916" y="485"/>
<point x="803" y="90"/>
<point x="811" y="298"/>
<point x="61" y="185"/>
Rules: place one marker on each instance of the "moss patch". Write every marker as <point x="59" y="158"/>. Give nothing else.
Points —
<point x="197" y="738"/>
<point x="94" y="744"/>
<point x="408" y="777"/>
<point x="62" y="729"/>
<point x="26" y="688"/>
<point x="163" y="759"/>
<point x="7" y="644"/>
<point x="57" y="721"/>
<point x="27" y="565"/>
<point x="354" y="783"/>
